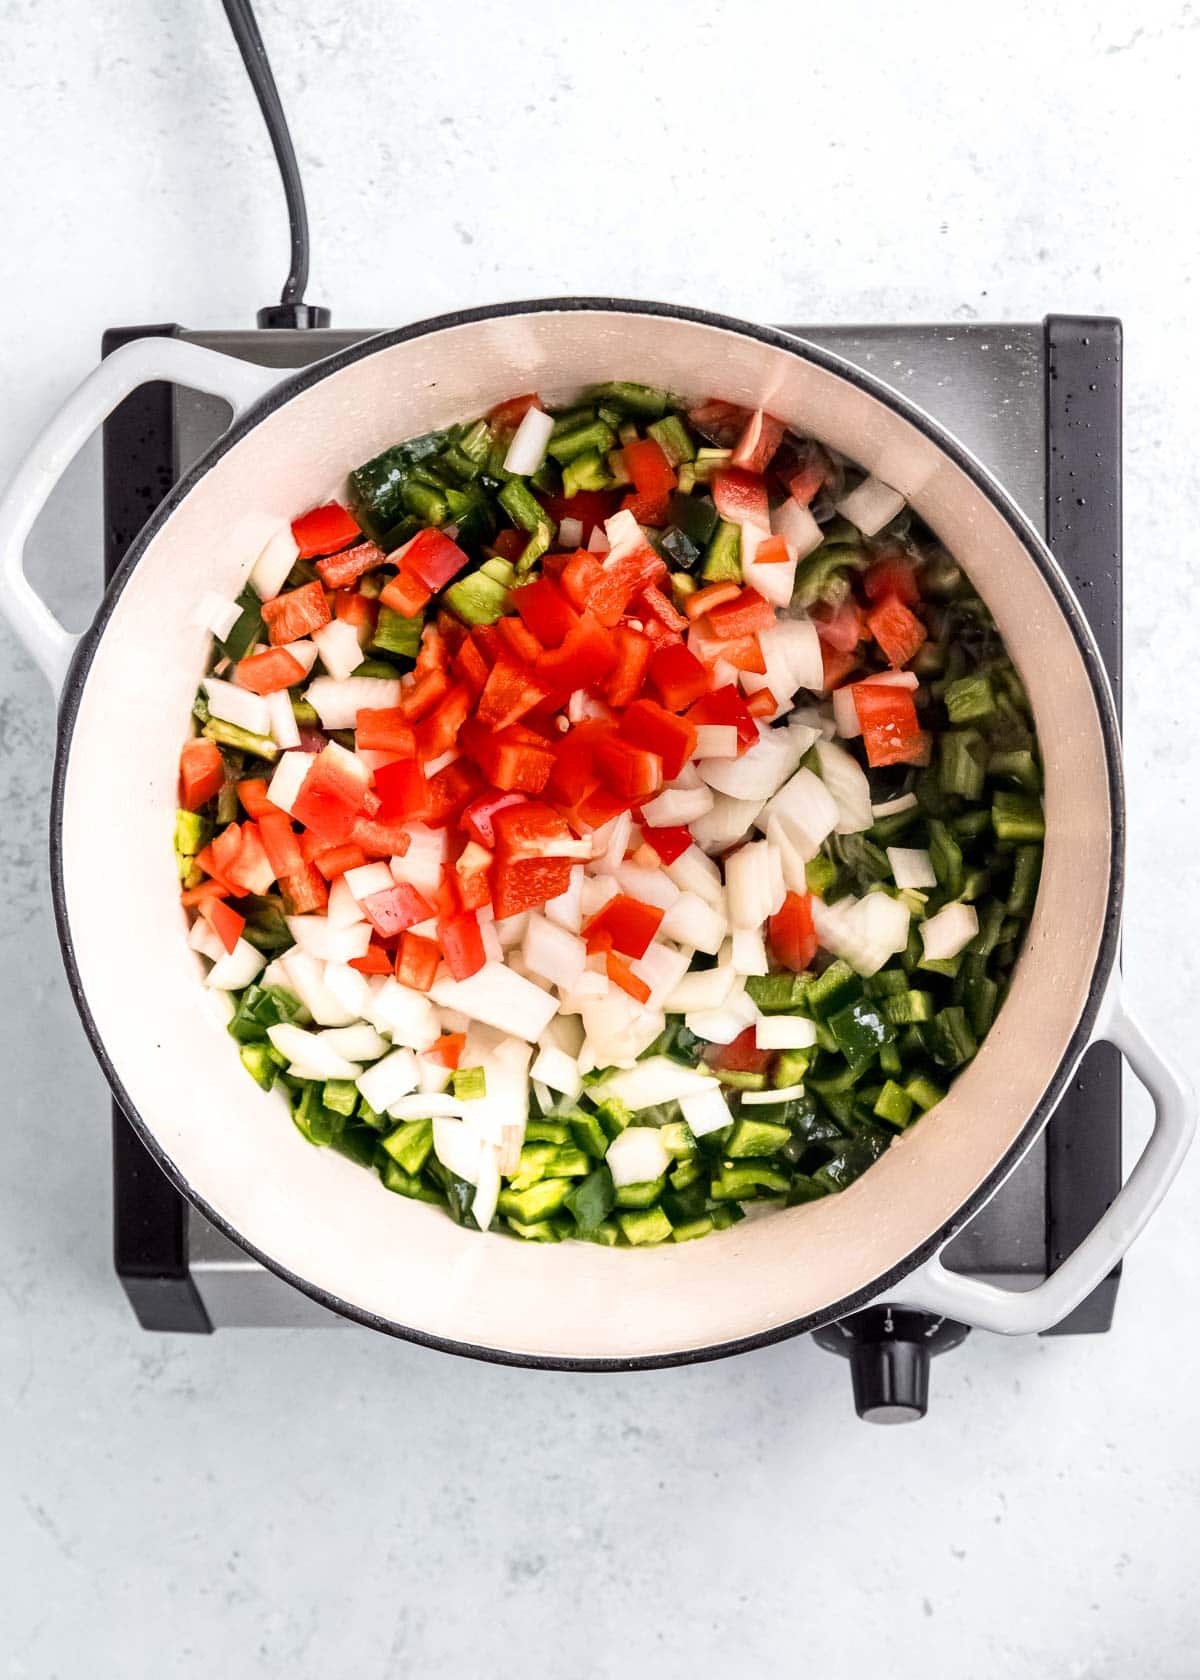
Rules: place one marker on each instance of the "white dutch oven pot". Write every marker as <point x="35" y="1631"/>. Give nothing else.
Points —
<point x="327" y="1226"/>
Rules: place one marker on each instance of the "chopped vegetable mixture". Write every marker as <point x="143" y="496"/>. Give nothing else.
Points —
<point x="604" y="822"/>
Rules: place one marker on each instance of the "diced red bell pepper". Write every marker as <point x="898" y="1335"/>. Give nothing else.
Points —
<point x="712" y="595"/>
<point x="304" y="893"/>
<point x="839" y="627"/>
<point x="355" y="609"/>
<point x="268" y="672"/>
<point x="434" y="651"/>
<point x="620" y="973"/>
<point x="511" y="691"/>
<point x="432" y="558"/>
<point x="590" y="507"/>
<point x="223" y="919"/>
<point x="450" y="790"/>
<point x="405" y="594"/>
<point x="835" y="666"/>
<point x="479" y="818"/>
<point x="719" y="421"/>
<point x="578" y="577"/>
<point x="890" y="731"/>
<point x="545" y="611"/>
<point x="192" y="897"/>
<point x="526" y="829"/>
<point x="772" y="552"/>
<point x="726" y="705"/>
<point x="334" y="861"/>
<point x="403" y="791"/>
<point x="892" y="574"/>
<point x="574" y="774"/>
<point x="898" y="631"/>
<point x="250" y="869"/>
<point x="448" y="1050"/>
<point x="323" y="530"/>
<point x="678" y="676"/>
<point x="526" y="883"/>
<point x="469" y="666"/>
<point x="339" y="571"/>
<point x="653" y="480"/>
<point x="741" y="497"/>
<point x="487" y="639"/>
<point x="437" y="733"/>
<point x="620" y="578"/>
<point x="519" y="643"/>
<point x="669" y="843"/>
<point x="296" y="613"/>
<point x="633" y="650"/>
<point x="377" y="960"/>
<point x="584" y="660"/>
<point x="730" y="621"/>
<point x="512" y="759"/>
<point x="331" y="795"/>
<point x="462" y="944"/>
<point x="201" y="773"/>
<point x="380" y="839"/>
<point x="598" y="807"/>
<point x="652" y="605"/>
<point x="397" y="907"/>
<point x="282" y="846"/>
<point x="762" y="703"/>
<point x="384" y="729"/>
<point x="790" y="933"/>
<point x="624" y="924"/>
<point x="417" y="961"/>
<point x="632" y="772"/>
<point x="755" y="449"/>
<point x="419" y="700"/>
<point x="741" y="1056"/>
<point x="647" y="724"/>
<point x="508" y="415"/>
<point x="252" y="796"/>
<point x="472" y="878"/>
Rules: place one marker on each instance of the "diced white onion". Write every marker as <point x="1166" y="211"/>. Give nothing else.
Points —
<point x="865" y="931"/>
<point x="368" y="878"/>
<point x="761" y="771"/>
<point x="595" y="892"/>
<point x="649" y="886"/>
<point x="457" y="1146"/>
<point x="558" y="1070"/>
<point x="235" y="969"/>
<point x="341" y="652"/>
<point x="693" y="871"/>
<point x="487" y="1183"/>
<point x="871" y="506"/>
<point x="527" y="450"/>
<point x="343" y="909"/>
<point x="288" y="779"/>
<point x="305" y="651"/>
<point x="945" y="934"/>
<point x="677" y="807"/>
<point x="694" y="921"/>
<point x="785" y="1093"/>
<point x="566" y="911"/>
<point x="893" y="807"/>
<point x="911" y="867"/>
<point x="426" y="1105"/>
<point x="784" y="1032"/>
<point x="214" y="612"/>
<point x="510" y="930"/>
<point x="796" y="525"/>
<point x="570" y="533"/>
<point x="748" y="885"/>
<point x="778" y="887"/>
<point x="285" y="731"/>
<point x="550" y="951"/>
<point x="407" y="1016"/>
<point x="421" y="866"/>
<point x="307" y="1050"/>
<point x="237" y="706"/>
<point x="805" y="811"/>
<point x="656" y="1080"/>
<point x="726" y="824"/>
<point x="716" y="740"/>
<point x="749" y="951"/>
<point x="791" y="651"/>
<point x="722" y="1026"/>
<point x="389" y="1080"/>
<point x="702" y="989"/>
<point x="203" y="938"/>
<point x="350" y="988"/>
<point x="774" y="580"/>
<point x="338" y="701"/>
<point x="662" y="967"/>
<point x="845" y="712"/>
<point x="846" y="780"/>
<point x="321" y="939"/>
<point x="625" y="535"/>
<point x="270" y="570"/>
<point x="598" y="541"/>
<point x="500" y="998"/>
<point x="637" y="1155"/>
<point x="358" y="1043"/>
<point x="706" y="1111"/>
<point x="305" y="976"/>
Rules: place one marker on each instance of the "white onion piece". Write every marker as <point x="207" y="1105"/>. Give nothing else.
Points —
<point x="785" y="1093"/>
<point x="237" y="706"/>
<point x="726" y="824"/>
<point x="566" y="911"/>
<point x="796" y="525"/>
<point x="309" y="1051"/>
<point x="557" y="1070"/>
<point x="597" y="542"/>
<point x="570" y="533"/>
<point x="945" y="934"/>
<point x="235" y="969"/>
<point x="487" y="1182"/>
<point x="846" y="780"/>
<point x="637" y="1155"/>
<point x="562" y="1033"/>
<point x="321" y="939"/>
<point x="269" y="572"/>
<point x="749" y="951"/>
<point x="676" y="807"/>
<point x="778" y="886"/>
<point x="656" y="1080"/>
<point x="893" y="807"/>
<point x="784" y="1032"/>
<point x="694" y="921"/>
<point x="748" y="885"/>
<point x="618" y="1029"/>
<point x="407" y="1016"/>
<point x="338" y="644"/>
<point x="817" y="719"/>
<point x="625" y="535"/>
<point x="426" y="1105"/>
<point x="791" y="858"/>
<point x="650" y="886"/>
<point x="845" y="712"/>
<point x="216" y="613"/>
<point x="614" y="837"/>
<point x="692" y="871"/>
<point x="500" y="998"/>
<point x="911" y="867"/>
<point x="421" y="865"/>
<point x="489" y="937"/>
<point x="305" y="977"/>
<point x="284" y="731"/>
<point x="218" y="1006"/>
<point x="703" y="989"/>
<point x="203" y="938"/>
<point x="338" y="702"/>
<point x="389" y="1080"/>
<point x="866" y="932"/>
<point x="305" y="651"/>
<point x="722" y="1026"/>
<point x="527" y="450"/>
<point x="706" y="1111"/>
<point x="774" y="580"/>
<point x="288" y="779"/>
<point x="594" y="893"/>
<point x="368" y="878"/>
<point x="358" y="1043"/>
<point x="871" y="506"/>
<point x="457" y="1147"/>
<point x="553" y="953"/>
<point x="510" y="930"/>
<point x="791" y="651"/>
<point x="351" y="990"/>
<point x="716" y="740"/>
<point x="661" y="967"/>
<point x="805" y="811"/>
<point x="762" y="770"/>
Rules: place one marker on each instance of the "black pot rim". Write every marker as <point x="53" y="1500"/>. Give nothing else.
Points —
<point x="304" y="378"/>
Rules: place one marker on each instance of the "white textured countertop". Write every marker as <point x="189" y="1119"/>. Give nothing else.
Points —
<point x="295" y="1504"/>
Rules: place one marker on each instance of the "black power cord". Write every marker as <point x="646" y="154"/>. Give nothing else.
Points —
<point x="291" y="310"/>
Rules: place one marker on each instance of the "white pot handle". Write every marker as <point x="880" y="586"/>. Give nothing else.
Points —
<point x="1012" y="1312"/>
<point x="133" y="364"/>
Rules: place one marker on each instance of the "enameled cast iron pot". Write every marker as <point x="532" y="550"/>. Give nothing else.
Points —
<point x="327" y="1226"/>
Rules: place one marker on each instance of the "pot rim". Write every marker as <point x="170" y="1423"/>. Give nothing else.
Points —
<point x="291" y="385"/>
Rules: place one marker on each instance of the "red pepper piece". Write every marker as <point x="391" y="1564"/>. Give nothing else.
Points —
<point x="545" y="611"/>
<point x="840" y="627"/>
<point x="590" y="507"/>
<point x="335" y="860"/>
<point x="437" y="733"/>
<point x="741" y="1056"/>
<point x="741" y="497"/>
<point x="416" y="961"/>
<point x="633" y="650"/>
<point x="339" y="571"/>
<point x="432" y="558"/>
<point x="722" y="423"/>
<point x="620" y="973"/>
<point x="526" y="883"/>
<point x="890" y="730"/>
<point x="248" y="868"/>
<point x="377" y="960"/>
<point x="574" y="774"/>
<point x="403" y="792"/>
<point x="472" y="876"/>
<point x="470" y="667"/>
<point x="384" y="729"/>
<point x="527" y="830"/>
<point x="252" y="796"/>
<point x="201" y="773"/>
<point x="762" y="704"/>
<point x="584" y="660"/>
<point x="892" y="575"/>
<point x="296" y="613"/>
<point x="898" y="631"/>
<point x="649" y="725"/>
<point x="405" y="594"/>
<point x="462" y="944"/>
<point x="732" y="620"/>
<point x="331" y="795"/>
<point x="223" y="920"/>
<point x="451" y="789"/>
<point x="520" y="644"/>
<point x="579" y="572"/>
<point x="323" y="530"/>
<point x="653" y="604"/>
<point x="757" y="446"/>
<point x="419" y="700"/>
<point x="626" y="924"/>
<point x="356" y="610"/>
<point x="653" y="480"/>
<point x="397" y="907"/>
<point x="510" y="692"/>
<point x="791" y="935"/>
<point x="630" y="771"/>
<point x="835" y="666"/>
<point x="304" y="893"/>
<point x="380" y="839"/>
<point x="669" y="843"/>
<point x="678" y="676"/>
<point x="508" y="415"/>
<point x="281" y="844"/>
<point x="620" y="578"/>
<point x="510" y="545"/>
<point x="726" y="705"/>
<point x="268" y="672"/>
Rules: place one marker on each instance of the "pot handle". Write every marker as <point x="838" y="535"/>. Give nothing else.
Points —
<point x="133" y="364"/>
<point x="1012" y="1312"/>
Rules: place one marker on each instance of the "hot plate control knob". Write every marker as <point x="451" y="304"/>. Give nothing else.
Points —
<point x="889" y="1349"/>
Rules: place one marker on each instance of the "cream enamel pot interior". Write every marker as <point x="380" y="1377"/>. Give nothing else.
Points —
<point x="327" y="1225"/>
